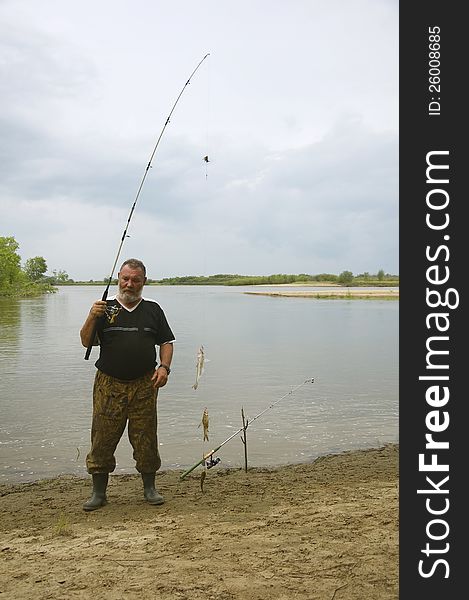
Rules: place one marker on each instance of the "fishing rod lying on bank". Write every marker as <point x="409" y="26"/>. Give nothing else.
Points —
<point x="211" y="462"/>
<point x="124" y="235"/>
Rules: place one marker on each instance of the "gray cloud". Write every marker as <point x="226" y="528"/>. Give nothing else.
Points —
<point x="303" y="144"/>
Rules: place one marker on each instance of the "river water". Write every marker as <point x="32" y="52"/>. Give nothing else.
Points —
<point x="258" y="349"/>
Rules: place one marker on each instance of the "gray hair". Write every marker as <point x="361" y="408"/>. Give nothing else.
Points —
<point x="134" y="263"/>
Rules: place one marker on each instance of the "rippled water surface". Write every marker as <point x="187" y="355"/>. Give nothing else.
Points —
<point x="258" y="349"/>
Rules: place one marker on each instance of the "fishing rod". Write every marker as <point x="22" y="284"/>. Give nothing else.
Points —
<point x="124" y="235"/>
<point x="210" y="454"/>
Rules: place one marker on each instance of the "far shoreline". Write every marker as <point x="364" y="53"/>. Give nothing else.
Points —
<point x="348" y="294"/>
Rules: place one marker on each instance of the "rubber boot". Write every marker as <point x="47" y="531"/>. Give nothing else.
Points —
<point x="152" y="496"/>
<point x="98" y="497"/>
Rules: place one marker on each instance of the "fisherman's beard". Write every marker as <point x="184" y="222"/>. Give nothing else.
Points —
<point x="129" y="296"/>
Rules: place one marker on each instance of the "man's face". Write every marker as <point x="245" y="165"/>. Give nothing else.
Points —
<point x="131" y="282"/>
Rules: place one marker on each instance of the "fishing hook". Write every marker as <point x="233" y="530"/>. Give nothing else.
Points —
<point x="149" y="165"/>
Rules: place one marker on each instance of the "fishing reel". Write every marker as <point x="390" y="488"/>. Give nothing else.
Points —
<point x="211" y="462"/>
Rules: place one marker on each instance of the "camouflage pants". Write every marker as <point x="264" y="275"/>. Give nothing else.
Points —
<point x="114" y="403"/>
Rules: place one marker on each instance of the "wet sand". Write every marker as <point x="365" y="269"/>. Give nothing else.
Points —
<point x="326" y="530"/>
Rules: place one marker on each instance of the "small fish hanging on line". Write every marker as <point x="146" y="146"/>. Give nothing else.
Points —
<point x="199" y="367"/>
<point x="204" y="422"/>
<point x="203" y="475"/>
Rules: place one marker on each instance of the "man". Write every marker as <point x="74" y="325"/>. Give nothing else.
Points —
<point x="127" y="328"/>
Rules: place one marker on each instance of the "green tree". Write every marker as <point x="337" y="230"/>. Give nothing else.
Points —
<point x="60" y="277"/>
<point x="10" y="263"/>
<point x="380" y="275"/>
<point x="35" y="268"/>
<point x="14" y="282"/>
<point x="346" y="277"/>
<point x="326" y="277"/>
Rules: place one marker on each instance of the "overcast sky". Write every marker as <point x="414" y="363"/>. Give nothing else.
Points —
<point x="296" y="107"/>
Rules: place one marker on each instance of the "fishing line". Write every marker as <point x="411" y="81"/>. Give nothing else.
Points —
<point x="149" y="165"/>
<point x="209" y="455"/>
<point x="207" y="143"/>
<point x="202" y="236"/>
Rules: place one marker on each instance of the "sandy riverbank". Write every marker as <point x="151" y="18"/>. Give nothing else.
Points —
<point x="343" y="293"/>
<point x="327" y="530"/>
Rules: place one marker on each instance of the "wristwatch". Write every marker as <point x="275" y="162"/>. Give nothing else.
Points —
<point x="168" y="370"/>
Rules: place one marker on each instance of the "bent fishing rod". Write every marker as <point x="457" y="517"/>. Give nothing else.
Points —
<point x="210" y="454"/>
<point x="124" y="235"/>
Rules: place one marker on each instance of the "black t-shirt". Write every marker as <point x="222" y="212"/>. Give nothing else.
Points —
<point x="128" y="338"/>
